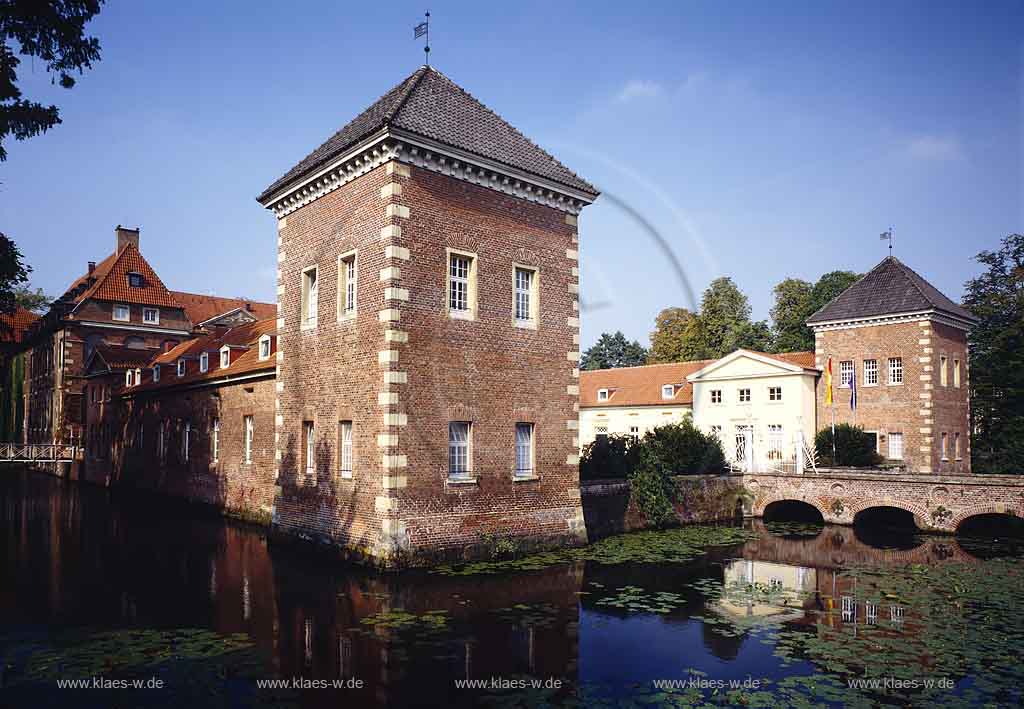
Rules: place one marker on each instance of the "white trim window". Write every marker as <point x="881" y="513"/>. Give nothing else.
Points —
<point x="458" y="286"/>
<point x="524" y="302"/>
<point x="775" y="441"/>
<point x="524" y="451"/>
<point x="775" y="393"/>
<point x="870" y="372"/>
<point x="602" y="395"/>
<point x="186" y="434"/>
<point x="204" y="362"/>
<point x="225" y="357"/>
<point x="309" y="438"/>
<point x="846" y="373"/>
<point x="138" y="377"/>
<point x="895" y="370"/>
<point x="956" y="373"/>
<point x="716" y="397"/>
<point x="459" y="458"/>
<point x="668" y="391"/>
<point x="156" y="373"/>
<point x="895" y="440"/>
<point x="151" y="316"/>
<point x="347" y="285"/>
<point x="129" y="377"/>
<point x="345" y="456"/>
<point x="634" y="433"/>
<point x="264" y="348"/>
<point x="943" y="370"/>
<point x="249" y="426"/>
<point x="310" y="305"/>
<point x="181" y="367"/>
<point x="744" y="395"/>
<point x="122" y="313"/>
<point x="215" y="440"/>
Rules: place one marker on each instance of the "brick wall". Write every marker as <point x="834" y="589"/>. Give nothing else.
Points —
<point x="950" y="404"/>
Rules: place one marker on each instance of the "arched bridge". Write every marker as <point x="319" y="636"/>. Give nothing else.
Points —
<point x="938" y="502"/>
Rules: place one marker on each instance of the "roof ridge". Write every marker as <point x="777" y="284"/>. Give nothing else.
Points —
<point x="910" y="274"/>
<point x="416" y="78"/>
<point x="643" y="366"/>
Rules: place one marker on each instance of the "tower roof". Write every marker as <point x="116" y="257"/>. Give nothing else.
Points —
<point x="890" y="288"/>
<point x="430" y="105"/>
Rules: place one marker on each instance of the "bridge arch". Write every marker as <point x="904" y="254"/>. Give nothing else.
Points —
<point x="982" y="510"/>
<point x="922" y="518"/>
<point x="761" y="505"/>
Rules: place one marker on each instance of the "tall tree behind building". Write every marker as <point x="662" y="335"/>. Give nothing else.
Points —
<point x="997" y="359"/>
<point x="13" y="274"/>
<point x="54" y="31"/>
<point x="611" y="351"/>
<point x="796" y="300"/>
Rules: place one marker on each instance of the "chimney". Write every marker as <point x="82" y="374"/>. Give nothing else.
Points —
<point x="248" y="306"/>
<point x="92" y="267"/>
<point x="126" y="236"/>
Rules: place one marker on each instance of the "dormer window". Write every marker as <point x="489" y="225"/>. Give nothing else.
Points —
<point x="151" y="316"/>
<point x="265" y="347"/>
<point x="138" y="377"/>
<point x="225" y="357"/>
<point x="122" y="313"/>
<point x="181" y="368"/>
<point x="602" y="395"/>
<point x="135" y="280"/>
<point x="156" y="373"/>
<point x="668" y="391"/>
<point x="204" y="362"/>
<point x="128" y="378"/>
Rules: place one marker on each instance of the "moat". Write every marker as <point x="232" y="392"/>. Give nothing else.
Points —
<point x="121" y="587"/>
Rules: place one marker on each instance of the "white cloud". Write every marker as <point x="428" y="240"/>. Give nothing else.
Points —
<point x="639" y="88"/>
<point x="935" y="147"/>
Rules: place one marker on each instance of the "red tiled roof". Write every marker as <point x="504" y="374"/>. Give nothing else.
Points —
<point x="639" y="386"/>
<point x="13" y="325"/>
<point x="247" y="335"/>
<point x="112" y="282"/>
<point x="120" y="358"/>
<point x="800" y="359"/>
<point x="200" y="308"/>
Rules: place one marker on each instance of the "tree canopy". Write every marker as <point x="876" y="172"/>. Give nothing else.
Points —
<point x="54" y="31"/>
<point x="13" y="274"/>
<point x="795" y="301"/>
<point x="996" y="297"/>
<point x="35" y="300"/>
<point x="611" y="351"/>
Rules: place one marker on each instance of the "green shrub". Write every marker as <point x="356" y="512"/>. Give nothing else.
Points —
<point x="608" y="457"/>
<point x="684" y="449"/>
<point x="854" y="447"/>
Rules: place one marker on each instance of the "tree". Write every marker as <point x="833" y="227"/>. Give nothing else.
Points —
<point x="996" y="297"/>
<point x="826" y="289"/>
<point x="34" y="300"/>
<point x="612" y="351"/>
<point x="54" y="31"/>
<point x="854" y="447"/>
<point x="13" y="274"/>
<point x="789" y="316"/>
<point x="725" y="322"/>
<point x="673" y="329"/>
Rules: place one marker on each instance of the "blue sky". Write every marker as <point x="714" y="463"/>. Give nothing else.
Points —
<point x="762" y="140"/>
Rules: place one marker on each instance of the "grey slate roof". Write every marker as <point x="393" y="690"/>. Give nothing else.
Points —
<point x="889" y="288"/>
<point x="429" y="104"/>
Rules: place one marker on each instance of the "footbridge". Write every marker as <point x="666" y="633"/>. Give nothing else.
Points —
<point x="938" y="502"/>
<point x="39" y="453"/>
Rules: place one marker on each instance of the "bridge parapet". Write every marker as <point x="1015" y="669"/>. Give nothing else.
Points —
<point x="938" y="502"/>
<point x="40" y="453"/>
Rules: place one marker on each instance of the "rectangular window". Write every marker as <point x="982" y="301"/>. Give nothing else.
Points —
<point x="310" y="297"/>
<point x="668" y="391"/>
<point x="185" y="435"/>
<point x="956" y="373"/>
<point x="956" y="445"/>
<point x="602" y="395"/>
<point x="151" y="316"/>
<point x="600" y="430"/>
<point x="634" y="433"/>
<point x="774" y="441"/>
<point x="870" y="372"/>
<point x="525" y="305"/>
<point x="156" y="373"/>
<point x="744" y="396"/>
<point x="458" y="286"/>
<point x="204" y="362"/>
<point x="225" y="358"/>
<point x="895" y="370"/>
<point x="871" y="612"/>
<point x="774" y="393"/>
<point x="458" y="450"/>
<point x="943" y="377"/>
<point x="845" y="372"/>
<point x="945" y="446"/>
<point x="524" y="450"/>
<point x="309" y="436"/>
<point x="895" y="446"/>
<point x="135" y="280"/>
<point x="716" y="396"/>
<point x="181" y="368"/>
<point x="128" y="378"/>
<point x="122" y="313"/>
<point x="345" y="446"/>
<point x="215" y="440"/>
<point x="250" y="430"/>
<point x="347" y="285"/>
<point x="264" y="347"/>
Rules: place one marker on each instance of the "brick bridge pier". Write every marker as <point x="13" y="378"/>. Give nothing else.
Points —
<point x="939" y="503"/>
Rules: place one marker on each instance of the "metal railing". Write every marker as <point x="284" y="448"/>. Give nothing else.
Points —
<point x="39" y="453"/>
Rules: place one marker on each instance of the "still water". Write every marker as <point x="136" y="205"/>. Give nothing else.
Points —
<point x="104" y="588"/>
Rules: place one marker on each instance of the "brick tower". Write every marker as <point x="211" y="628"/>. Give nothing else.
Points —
<point x="428" y="333"/>
<point x="906" y="345"/>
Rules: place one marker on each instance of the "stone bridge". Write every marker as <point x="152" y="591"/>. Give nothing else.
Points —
<point x="938" y="502"/>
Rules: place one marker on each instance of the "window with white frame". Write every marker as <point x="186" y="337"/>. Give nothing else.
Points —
<point x="849" y="612"/>
<point x="264" y="347"/>
<point x="249" y="426"/>
<point x="204" y="362"/>
<point x="602" y="395"/>
<point x="122" y="313"/>
<point x="716" y="396"/>
<point x="744" y="395"/>
<point x="345" y="448"/>
<point x="871" y="612"/>
<point x="151" y="316"/>
<point x="943" y="376"/>
<point x="668" y="391"/>
<point x="181" y="368"/>
<point x="870" y="372"/>
<point x="161" y="441"/>
<point x="461" y="284"/>
<point x="524" y="450"/>
<point x="186" y="434"/>
<point x="459" y="450"/>
<point x="225" y="357"/>
<point x="215" y="440"/>
<point x="956" y="373"/>
<point x="956" y="445"/>
<point x="945" y="445"/>
<point x="156" y="372"/>
<point x="309" y="437"/>
<point x="634" y="433"/>
<point x="896" y="445"/>
<point x="347" y="275"/>
<point x="775" y="393"/>
<point x="138" y="377"/>
<point x="129" y="378"/>
<point x="774" y="441"/>
<point x="896" y="614"/>
<point x="845" y="372"/>
<point x="895" y="370"/>
<point x="310" y="297"/>
<point x="525" y="284"/>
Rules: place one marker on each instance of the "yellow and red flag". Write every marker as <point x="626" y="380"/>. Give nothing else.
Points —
<point x="828" y="383"/>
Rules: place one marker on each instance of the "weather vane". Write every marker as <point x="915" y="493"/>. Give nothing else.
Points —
<point x="888" y="236"/>
<point x="423" y="30"/>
